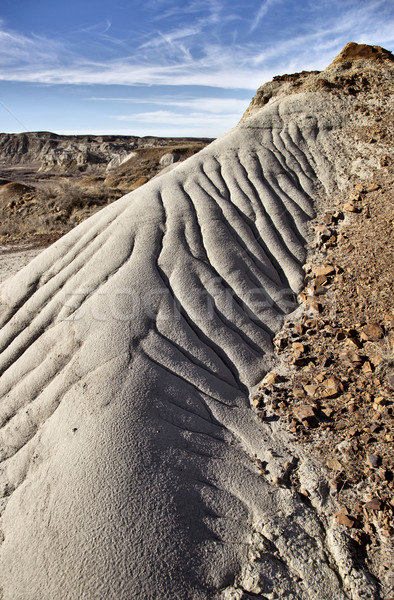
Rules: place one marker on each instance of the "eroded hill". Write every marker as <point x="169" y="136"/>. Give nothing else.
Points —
<point x="140" y="455"/>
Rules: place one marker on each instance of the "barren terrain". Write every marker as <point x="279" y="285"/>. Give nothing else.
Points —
<point x="281" y="230"/>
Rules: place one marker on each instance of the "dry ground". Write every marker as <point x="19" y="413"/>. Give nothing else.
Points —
<point x="334" y="389"/>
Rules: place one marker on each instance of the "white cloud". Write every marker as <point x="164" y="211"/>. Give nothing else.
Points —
<point x="171" y="37"/>
<point x="124" y="73"/>
<point x="16" y="49"/>
<point x="210" y="105"/>
<point x="178" y="119"/>
<point x="264" y="8"/>
<point x="200" y="124"/>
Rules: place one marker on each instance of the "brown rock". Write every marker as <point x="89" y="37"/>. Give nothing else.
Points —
<point x="324" y="232"/>
<point x="373" y="460"/>
<point x="380" y="401"/>
<point x="376" y="360"/>
<point x="298" y="346"/>
<point x="298" y="392"/>
<point x="372" y="187"/>
<point x="304" y="412"/>
<point x="359" y="187"/>
<point x="321" y="376"/>
<point x="310" y="389"/>
<point x="353" y="432"/>
<point x="299" y="328"/>
<point x="323" y="270"/>
<point x="331" y="388"/>
<point x="353" y="51"/>
<point x="312" y="324"/>
<point x="301" y="297"/>
<point x="374" y="504"/>
<point x="367" y="367"/>
<point x="353" y="342"/>
<point x="331" y="241"/>
<point x="371" y="332"/>
<point x="256" y="401"/>
<point x="349" y="207"/>
<point x="281" y="343"/>
<point x="334" y="464"/>
<point x="328" y="412"/>
<point x="351" y="357"/>
<point x="320" y="280"/>
<point x="269" y="379"/>
<point x="298" y="349"/>
<point x="342" y="519"/>
<point x="314" y="304"/>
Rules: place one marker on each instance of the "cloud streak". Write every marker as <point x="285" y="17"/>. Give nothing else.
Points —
<point x="264" y="8"/>
<point x="177" y="119"/>
<point x="209" y="105"/>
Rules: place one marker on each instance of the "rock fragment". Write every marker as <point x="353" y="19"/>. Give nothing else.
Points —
<point x="346" y="520"/>
<point x="334" y="464"/>
<point x="371" y="332"/>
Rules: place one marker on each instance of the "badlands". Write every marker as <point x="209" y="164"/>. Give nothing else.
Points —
<point x="142" y="456"/>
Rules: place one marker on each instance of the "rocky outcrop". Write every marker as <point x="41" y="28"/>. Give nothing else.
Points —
<point x="353" y="53"/>
<point x="119" y="159"/>
<point x="352" y="71"/>
<point x="52" y="152"/>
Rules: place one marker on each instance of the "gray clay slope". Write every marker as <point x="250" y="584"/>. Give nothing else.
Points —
<point x="129" y="350"/>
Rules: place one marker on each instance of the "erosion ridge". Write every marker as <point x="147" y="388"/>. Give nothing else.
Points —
<point x="133" y="463"/>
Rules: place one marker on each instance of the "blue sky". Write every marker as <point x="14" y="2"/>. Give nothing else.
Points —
<point x="164" y="67"/>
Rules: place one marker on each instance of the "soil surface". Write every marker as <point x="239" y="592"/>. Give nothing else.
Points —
<point x="14" y="258"/>
<point x="334" y="389"/>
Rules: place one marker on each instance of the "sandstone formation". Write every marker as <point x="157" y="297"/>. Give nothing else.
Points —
<point x="133" y="465"/>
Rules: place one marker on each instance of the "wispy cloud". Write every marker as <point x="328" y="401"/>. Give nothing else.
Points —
<point x="171" y="37"/>
<point x="211" y="105"/>
<point x="264" y="8"/>
<point x="124" y="73"/>
<point x="96" y="28"/>
<point x="175" y="118"/>
<point x="180" y="123"/>
<point x="17" y="49"/>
